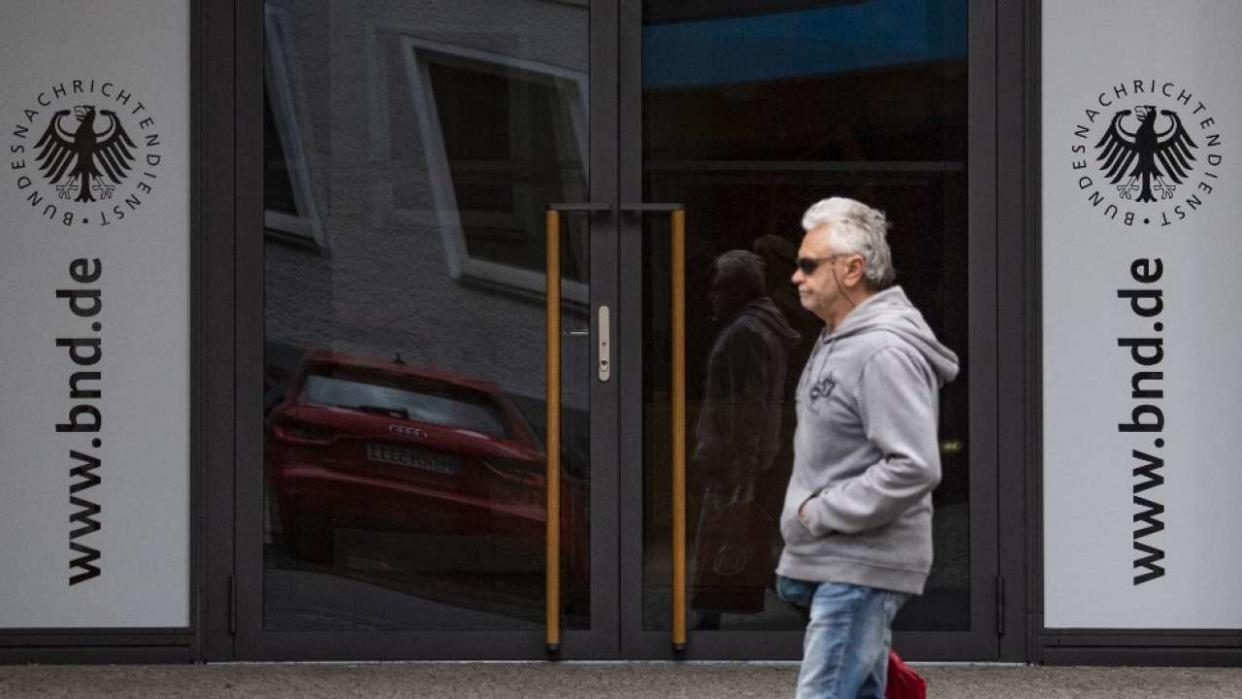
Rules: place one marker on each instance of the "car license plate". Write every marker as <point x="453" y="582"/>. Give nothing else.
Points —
<point x="413" y="458"/>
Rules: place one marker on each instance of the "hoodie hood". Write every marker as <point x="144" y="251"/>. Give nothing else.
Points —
<point x="891" y="311"/>
<point x="764" y="312"/>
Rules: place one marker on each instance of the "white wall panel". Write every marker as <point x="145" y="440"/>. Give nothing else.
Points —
<point x="130" y="58"/>
<point x="1178" y="564"/>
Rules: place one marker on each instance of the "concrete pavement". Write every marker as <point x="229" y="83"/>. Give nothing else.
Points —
<point x="478" y="680"/>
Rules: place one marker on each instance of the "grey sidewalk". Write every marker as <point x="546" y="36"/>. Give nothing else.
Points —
<point x="628" y="680"/>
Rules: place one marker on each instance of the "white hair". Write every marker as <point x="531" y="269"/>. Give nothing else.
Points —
<point x="856" y="229"/>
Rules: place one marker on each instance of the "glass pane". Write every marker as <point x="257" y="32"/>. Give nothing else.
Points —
<point x="411" y="151"/>
<point x="750" y="116"/>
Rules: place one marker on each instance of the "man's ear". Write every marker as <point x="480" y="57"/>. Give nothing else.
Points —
<point x="855" y="271"/>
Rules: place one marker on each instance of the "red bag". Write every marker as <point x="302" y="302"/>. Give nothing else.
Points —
<point x="903" y="681"/>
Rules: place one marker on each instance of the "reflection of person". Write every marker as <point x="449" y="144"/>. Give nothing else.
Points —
<point x="780" y="258"/>
<point x="738" y="435"/>
<point x="857" y="515"/>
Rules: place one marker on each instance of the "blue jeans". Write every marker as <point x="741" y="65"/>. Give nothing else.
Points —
<point x="845" y="651"/>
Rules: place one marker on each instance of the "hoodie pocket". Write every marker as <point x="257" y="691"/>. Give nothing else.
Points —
<point x="793" y="531"/>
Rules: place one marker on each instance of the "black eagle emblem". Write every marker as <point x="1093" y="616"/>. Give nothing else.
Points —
<point x="85" y="155"/>
<point x="1146" y="154"/>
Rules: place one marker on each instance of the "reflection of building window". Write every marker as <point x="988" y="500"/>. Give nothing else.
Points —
<point x="503" y="138"/>
<point x="289" y="214"/>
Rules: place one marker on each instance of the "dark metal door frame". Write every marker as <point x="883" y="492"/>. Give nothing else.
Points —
<point x="245" y="587"/>
<point x="1017" y="305"/>
<point x="218" y="317"/>
<point x="232" y="269"/>
<point x="989" y="606"/>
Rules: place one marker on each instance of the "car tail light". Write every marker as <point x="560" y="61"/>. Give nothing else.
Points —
<point x="298" y="432"/>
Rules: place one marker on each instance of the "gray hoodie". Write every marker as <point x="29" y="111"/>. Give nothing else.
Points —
<point x="866" y="453"/>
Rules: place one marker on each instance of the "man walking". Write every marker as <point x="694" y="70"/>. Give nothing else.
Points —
<point x="857" y="514"/>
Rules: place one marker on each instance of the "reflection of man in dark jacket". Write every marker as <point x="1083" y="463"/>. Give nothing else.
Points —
<point x="738" y="436"/>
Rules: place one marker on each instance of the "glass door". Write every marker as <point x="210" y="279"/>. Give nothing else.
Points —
<point x="396" y="453"/>
<point x="395" y="504"/>
<point x="744" y="114"/>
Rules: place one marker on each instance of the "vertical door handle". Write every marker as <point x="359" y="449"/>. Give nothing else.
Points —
<point x="677" y="250"/>
<point x="552" y="481"/>
<point x="552" y="567"/>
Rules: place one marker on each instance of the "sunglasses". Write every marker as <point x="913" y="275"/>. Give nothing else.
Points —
<point x="808" y="265"/>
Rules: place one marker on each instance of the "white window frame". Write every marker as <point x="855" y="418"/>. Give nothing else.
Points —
<point x="461" y="264"/>
<point x="304" y="228"/>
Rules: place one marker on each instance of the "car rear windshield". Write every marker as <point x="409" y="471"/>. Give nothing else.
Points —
<point x="409" y="398"/>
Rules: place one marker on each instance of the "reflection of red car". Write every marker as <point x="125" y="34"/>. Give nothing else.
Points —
<point x="366" y="445"/>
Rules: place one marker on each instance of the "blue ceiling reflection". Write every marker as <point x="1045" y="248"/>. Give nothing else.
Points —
<point x="838" y="39"/>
